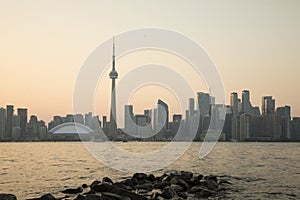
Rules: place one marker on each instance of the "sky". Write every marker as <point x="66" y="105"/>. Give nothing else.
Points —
<point x="254" y="44"/>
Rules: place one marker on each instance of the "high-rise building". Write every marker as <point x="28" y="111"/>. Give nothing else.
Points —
<point x="234" y="103"/>
<point x="129" y="123"/>
<point x="268" y="105"/>
<point x="246" y="105"/>
<point x="9" y="116"/>
<point x="162" y="114"/>
<point x="203" y="103"/>
<point x="113" y="118"/>
<point x="88" y="119"/>
<point x="284" y="111"/>
<point x="22" y="112"/>
<point x="2" y="123"/>
<point x="191" y="106"/>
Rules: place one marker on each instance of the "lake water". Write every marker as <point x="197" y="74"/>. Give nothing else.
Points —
<point x="257" y="170"/>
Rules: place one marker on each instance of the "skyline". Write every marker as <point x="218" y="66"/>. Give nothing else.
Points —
<point x="254" y="45"/>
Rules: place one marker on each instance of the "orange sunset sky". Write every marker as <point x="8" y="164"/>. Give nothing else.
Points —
<point x="255" y="45"/>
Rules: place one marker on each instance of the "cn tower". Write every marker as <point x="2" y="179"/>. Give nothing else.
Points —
<point x="113" y="75"/>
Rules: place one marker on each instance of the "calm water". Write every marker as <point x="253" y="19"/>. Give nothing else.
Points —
<point x="257" y="170"/>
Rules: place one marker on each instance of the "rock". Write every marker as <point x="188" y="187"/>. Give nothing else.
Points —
<point x="72" y="191"/>
<point x="212" y="185"/>
<point x="103" y="187"/>
<point x="7" y="197"/>
<point x="176" y="188"/>
<point x="182" y="195"/>
<point x="151" y="178"/>
<point x="211" y="177"/>
<point x="183" y="184"/>
<point x="146" y="186"/>
<point x="125" y="193"/>
<point x="44" y="197"/>
<point x="168" y="193"/>
<point x="96" y="182"/>
<point x="84" y="185"/>
<point x="107" y="180"/>
<point x="88" y="197"/>
<point x="162" y="185"/>
<point x="139" y="176"/>
<point x="203" y="194"/>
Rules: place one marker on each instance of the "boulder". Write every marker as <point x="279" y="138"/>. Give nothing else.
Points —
<point x="72" y="191"/>
<point x="168" y="193"/>
<point x="7" y="197"/>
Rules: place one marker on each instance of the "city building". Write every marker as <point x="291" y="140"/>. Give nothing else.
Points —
<point x="246" y="105"/>
<point x="203" y="103"/>
<point x="2" y="123"/>
<point x="9" y="116"/>
<point x="22" y="112"/>
<point x="268" y="105"/>
<point x="234" y="103"/>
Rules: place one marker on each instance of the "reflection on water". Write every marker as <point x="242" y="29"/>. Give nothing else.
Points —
<point x="257" y="170"/>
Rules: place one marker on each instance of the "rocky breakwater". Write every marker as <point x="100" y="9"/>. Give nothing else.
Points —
<point x="171" y="185"/>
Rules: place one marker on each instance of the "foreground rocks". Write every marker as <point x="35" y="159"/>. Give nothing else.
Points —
<point x="171" y="185"/>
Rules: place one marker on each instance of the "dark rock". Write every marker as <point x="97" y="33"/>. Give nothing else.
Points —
<point x="183" y="184"/>
<point x="203" y="194"/>
<point x="84" y="185"/>
<point x="44" y="197"/>
<point x="182" y="195"/>
<point x="7" y="197"/>
<point x="128" y="182"/>
<point x="212" y="185"/>
<point x="151" y="178"/>
<point x="72" y="191"/>
<point x="107" y="180"/>
<point x="195" y="189"/>
<point x="139" y="176"/>
<point x="211" y="177"/>
<point x="103" y="187"/>
<point x="125" y="193"/>
<point x="146" y="186"/>
<point x="88" y="197"/>
<point x="176" y="188"/>
<point x="162" y="185"/>
<point x="168" y="193"/>
<point x="96" y="182"/>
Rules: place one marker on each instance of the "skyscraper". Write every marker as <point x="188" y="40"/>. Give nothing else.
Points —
<point x="22" y="112"/>
<point x="2" y="122"/>
<point x="113" y="118"/>
<point x="9" y="117"/>
<point x="191" y="106"/>
<point x="246" y="105"/>
<point x="234" y="103"/>
<point x="268" y="105"/>
<point x="203" y="103"/>
<point x="162" y="114"/>
<point x="128" y="118"/>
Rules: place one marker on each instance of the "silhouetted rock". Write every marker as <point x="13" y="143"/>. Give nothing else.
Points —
<point x="44" y="197"/>
<point x="107" y="180"/>
<point x="7" y="197"/>
<point x="73" y="191"/>
<point x="139" y="176"/>
<point x="102" y="187"/>
<point x="168" y="193"/>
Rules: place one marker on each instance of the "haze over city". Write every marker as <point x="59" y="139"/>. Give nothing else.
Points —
<point x="254" y="45"/>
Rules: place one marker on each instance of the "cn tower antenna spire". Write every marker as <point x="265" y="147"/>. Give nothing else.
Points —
<point x="113" y="56"/>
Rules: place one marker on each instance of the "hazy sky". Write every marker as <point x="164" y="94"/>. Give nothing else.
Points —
<point x="255" y="45"/>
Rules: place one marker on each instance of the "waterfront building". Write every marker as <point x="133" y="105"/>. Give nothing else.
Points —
<point x="203" y="103"/>
<point x="22" y="112"/>
<point x="246" y="105"/>
<point x="268" y="105"/>
<point x="234" y="103"/>
<point x="2" y="123"/>
<point x="9" y="116"/>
